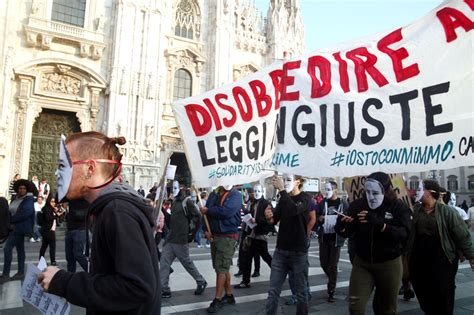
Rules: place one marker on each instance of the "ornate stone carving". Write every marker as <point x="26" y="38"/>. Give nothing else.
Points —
<point x="149" y="134"/>
<point x="60" y="83"/>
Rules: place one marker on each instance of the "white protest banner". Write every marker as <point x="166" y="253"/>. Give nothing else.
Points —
<point x="229" y="133"/>
<point x="397" y="102"/>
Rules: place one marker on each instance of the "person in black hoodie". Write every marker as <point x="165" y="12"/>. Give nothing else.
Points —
<point x="46" y="219"/>
<point x="379" y="224"/>
<point x="123" y="275"/>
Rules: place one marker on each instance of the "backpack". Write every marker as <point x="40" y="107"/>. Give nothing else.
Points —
<point x="193" y="220"/>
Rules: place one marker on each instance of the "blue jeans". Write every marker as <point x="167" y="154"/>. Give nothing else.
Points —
<point x="18" y="241"/>
<point x="75" y="242"/>
<point x="282" y="263"/>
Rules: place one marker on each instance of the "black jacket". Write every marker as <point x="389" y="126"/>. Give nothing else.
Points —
<point x="124" y="275"/>
<point x="263" y="227"/>
<point x="48" y="218"/>
<point x="372" y="245"/>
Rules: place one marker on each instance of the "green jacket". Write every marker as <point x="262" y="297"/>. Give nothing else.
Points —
<point x="452" y="230"/>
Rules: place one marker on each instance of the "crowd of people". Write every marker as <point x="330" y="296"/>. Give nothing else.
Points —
<point x="390" y="244"/>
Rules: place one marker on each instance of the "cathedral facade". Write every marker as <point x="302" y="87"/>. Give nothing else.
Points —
<point x="116" y="66"/>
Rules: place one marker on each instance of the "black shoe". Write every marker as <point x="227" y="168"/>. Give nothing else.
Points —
<point x="53" y="263"/>
<point x="18" y="276"/>
<point x="242" y="285"/>
<point x="166" y="294"/>
<point x="200" y="288"/>
<point x="215" y="306"/>
<point x="408" y="295"/>
<point x="331" y="298"/>
<point x="238" y="274"/>
<point x="229" y="299"/>
<point x="255" y="274"/>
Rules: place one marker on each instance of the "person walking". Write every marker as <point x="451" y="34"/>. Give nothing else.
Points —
<point x="438" y="236"/>
<point x="123" y="277"/>
<point x="22" y="215"/>
<point x="176" y="245"/>
<point x="380" y="225"/>
<point x="329" y="242"/>
<point x="223" y="210"/>
<point x="256" y="239"/>
<point x="46" y="218"/>
<point x="291" y="253"/>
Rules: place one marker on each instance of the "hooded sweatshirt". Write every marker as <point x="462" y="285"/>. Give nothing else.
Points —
<point x="124" y="270"/>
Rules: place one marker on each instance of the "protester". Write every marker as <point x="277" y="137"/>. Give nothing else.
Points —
<point x="22" y="214"/>
<point x="470" y="213"/>
<point x="223" y="210"/>
<point x="141" y="191"/>
<point x="380" y="224"/>
<point x="291" y="253"/>
<point x="256" y="236"/>
<point x="329" y="242"/>
<point x="437" y="235"/>
<point x="124" y="271"/>
<point x="75" y="239"/>
<point x="48" y="229"/>
<point x="176" y="244"/>
<point x="449" y="198"/>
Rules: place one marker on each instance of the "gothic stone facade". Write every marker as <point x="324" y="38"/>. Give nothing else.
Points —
<point x="116" y="66"/>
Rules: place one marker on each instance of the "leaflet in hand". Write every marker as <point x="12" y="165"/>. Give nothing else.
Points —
<point x="247" y="219"/>
<point x="34" y="294"/>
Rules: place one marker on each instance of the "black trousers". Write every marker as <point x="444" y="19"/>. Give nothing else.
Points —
<point x="433" y="276"/>
<point x="259" y="247"/>
<point x="256" y="257"/>
<point x="48" y="239"/>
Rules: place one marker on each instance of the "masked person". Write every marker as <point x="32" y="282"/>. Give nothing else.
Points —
<point x="329" y="242"/>
<point x="223" y="210"/>
<point x="176" y="244"/>
<point x="380" y="225"/>
<point x="449" y="198"/>
<point x="438" y="235"/>
<point x="256" y="236"/>
<point x="291" y="253"/>
<point x="123" y="275"/>
<point x="22" y="217"/>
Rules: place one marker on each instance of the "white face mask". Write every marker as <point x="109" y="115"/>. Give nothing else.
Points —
<point x="228" y="187"/>
<point x="289" y="182"/>
<point x="64" y="171"/>
<point x="175" y="188"/>
<point x="257" y="192"/>
<point x="420" y="191"/>
<point x="329" y="191"/>
<point x="452" y="200"/>
<point x="374" y="192"/>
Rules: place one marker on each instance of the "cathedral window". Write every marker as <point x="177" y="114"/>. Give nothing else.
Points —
<point x="69" y="12"/>
<point x="182" y="84"/>
<point x="187" y="21"/>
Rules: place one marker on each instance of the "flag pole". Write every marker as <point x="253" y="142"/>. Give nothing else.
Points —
<point x="206" y="221"/>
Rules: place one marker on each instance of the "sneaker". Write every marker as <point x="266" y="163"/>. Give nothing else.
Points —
<point x="4" y="279"/>
<point x="18" y="276"/>
<point x="200" y="288"/>
<point x="238" y="274"/>
<point x="291" y="301"/>
<point x="229" y="299"/>
<point x="255" y="274"/>
<point x="208" y="245"/>
<point x="32" y="240"/>
<point x="215" y="306"/>
<point x="199" y="246"/>
<point x="331" y="298"/>
<point x="242" y="285"/>
<point x="166" y="294"/>
<point x="408" y="295"/>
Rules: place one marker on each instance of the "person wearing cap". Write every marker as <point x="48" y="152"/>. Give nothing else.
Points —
<point x="22" y="218"/>
<point x="438" y="236"/>
<point x="379" y="224"/>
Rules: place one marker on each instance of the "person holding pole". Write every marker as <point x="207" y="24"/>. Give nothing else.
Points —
<point x="223" y="211"/>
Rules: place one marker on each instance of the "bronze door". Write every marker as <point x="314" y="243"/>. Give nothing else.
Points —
<point x="46" y="134"/>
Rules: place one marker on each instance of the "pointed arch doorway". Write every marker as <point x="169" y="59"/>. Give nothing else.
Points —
<point x="45" y="137"/>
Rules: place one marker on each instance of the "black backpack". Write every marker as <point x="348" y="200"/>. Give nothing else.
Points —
<point x="193" y="221"/>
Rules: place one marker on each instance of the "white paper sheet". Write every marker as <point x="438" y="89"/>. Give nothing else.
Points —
<point x="34" y="294"/>
<point x="246" y="218"/>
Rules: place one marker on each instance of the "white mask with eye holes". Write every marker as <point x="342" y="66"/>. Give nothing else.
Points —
<point x="452" y="200"/>
<point x="64" y="171"/>
<point x="228" y="187"/>
<point x="175" y="188"/>
<point x="374" y="192"/>
<point x="419" y="192"/>
<point x="257" y="192"/>
<point x="329" y="190"/>
<point x="288" y="182"/>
